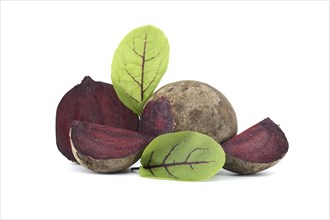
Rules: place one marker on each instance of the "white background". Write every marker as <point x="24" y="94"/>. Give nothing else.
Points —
<point x="271" y="59"/>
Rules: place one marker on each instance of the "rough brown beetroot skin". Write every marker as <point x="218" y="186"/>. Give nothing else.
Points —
<point x="189" y="106"/>
<point x="106" y="149"/>
<point x="94" y="102"/>
<point x="255" y="149"/>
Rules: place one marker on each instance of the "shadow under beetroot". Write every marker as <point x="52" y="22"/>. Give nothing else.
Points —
<point x="224" y="175"/>
<point x="81" y="169"/>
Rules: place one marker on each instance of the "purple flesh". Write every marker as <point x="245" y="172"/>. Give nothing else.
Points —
<point x="94" y="102"/>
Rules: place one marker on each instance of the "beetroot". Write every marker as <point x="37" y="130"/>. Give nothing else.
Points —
<point x="94" y="102"/>
<point x="189" y="106"/>
<point x="255" y="149"/>
<point x="106" y="149"/>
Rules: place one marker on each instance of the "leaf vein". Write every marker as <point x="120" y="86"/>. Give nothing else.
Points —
<point x="153" y="79"/>
<point x="134" y="50"/>
<point x="142" y="66"/>
<point x="169" y="173"/>
<point x="179" y="163"/>
<point x="151" y="58"/>
<point x="169" y="153"/>
<point x="131" y="97"/>
<point x="137" y="82"/>
<point x="196" y="149"/>
<point x="150" y="162"/>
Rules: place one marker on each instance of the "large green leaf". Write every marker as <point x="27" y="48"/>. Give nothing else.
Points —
<point x="185" y="155"/>
<point x="138" y="64"/>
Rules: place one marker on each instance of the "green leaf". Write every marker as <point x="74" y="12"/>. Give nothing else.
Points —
<point x="138" y="65"/>
<point x="185" y="155"/>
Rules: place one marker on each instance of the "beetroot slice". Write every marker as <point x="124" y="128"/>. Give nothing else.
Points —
<point x="105" y="142"/>
<point x="255" y="149"/>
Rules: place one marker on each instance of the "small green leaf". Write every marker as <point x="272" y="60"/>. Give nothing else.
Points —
<point x="185" y="155"/>
<point x="138" y="64"/>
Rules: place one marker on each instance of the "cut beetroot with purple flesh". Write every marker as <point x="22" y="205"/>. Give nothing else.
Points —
<point x="94" y="102"/>
<point x="105" y="142"/>
<point x="106" y="149"/>
<point x="255" y="149"/>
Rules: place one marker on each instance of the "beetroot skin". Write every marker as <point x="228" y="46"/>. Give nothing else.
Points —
<point x="94" y="102"/>
<point x="189" y="106"/>
<point x="255" y="149"/>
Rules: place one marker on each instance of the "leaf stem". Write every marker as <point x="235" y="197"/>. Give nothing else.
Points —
<point x="134" y="168"/>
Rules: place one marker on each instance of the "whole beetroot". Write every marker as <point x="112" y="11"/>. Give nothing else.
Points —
<point x="189" y="105"/>
<point x="94" y="102"/>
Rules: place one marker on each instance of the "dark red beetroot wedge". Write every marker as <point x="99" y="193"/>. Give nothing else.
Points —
<point x="255" y="149"/>
<point x="106" y="149"/>
<point x="94" y="102"/>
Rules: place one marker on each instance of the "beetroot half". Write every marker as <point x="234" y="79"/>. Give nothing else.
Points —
<point x="255" y="149"/>
<point x="90" y="101"/>
<point x="106" y="149"/>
